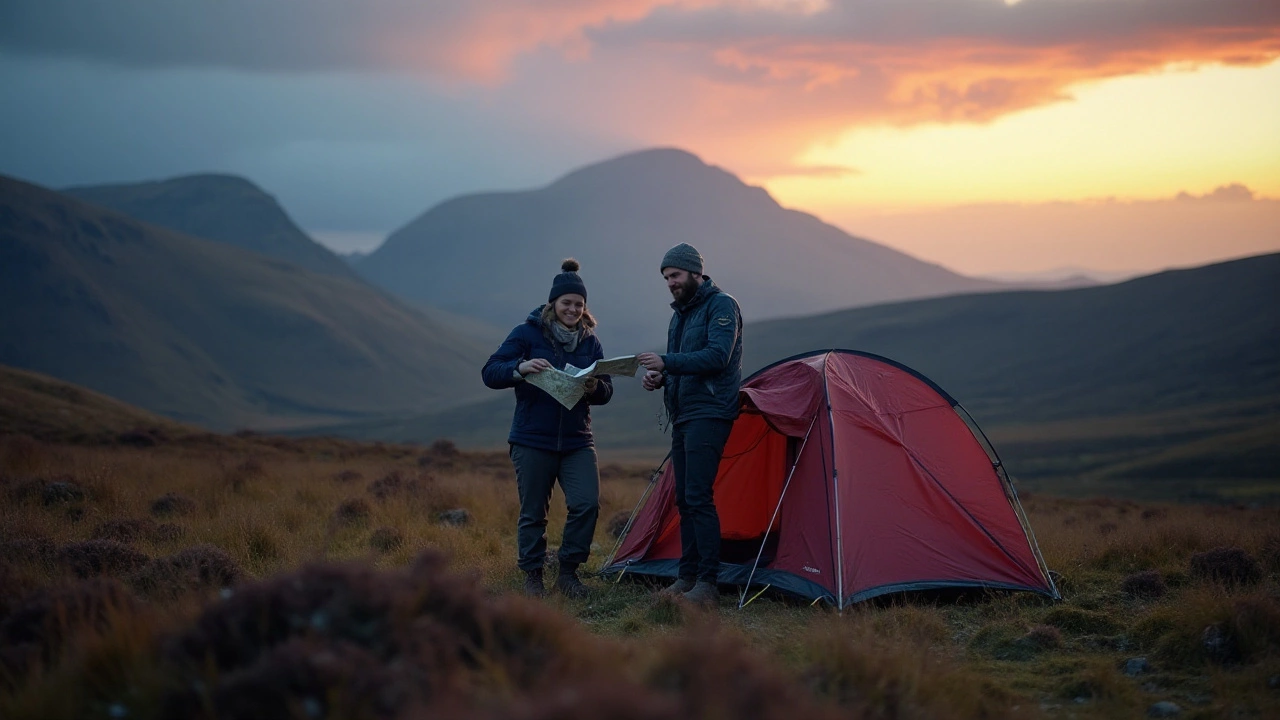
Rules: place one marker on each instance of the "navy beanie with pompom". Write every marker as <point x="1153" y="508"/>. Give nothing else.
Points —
<point x="567" y="282"/>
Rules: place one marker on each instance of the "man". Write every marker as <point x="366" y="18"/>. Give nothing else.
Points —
<point x="700" y="373"/>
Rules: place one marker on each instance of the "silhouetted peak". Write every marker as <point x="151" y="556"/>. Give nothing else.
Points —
<point x="655" y="166"/>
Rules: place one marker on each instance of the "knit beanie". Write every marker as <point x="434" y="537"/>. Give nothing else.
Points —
<point x="683" y="256"/>
<point x="567" y="282"/>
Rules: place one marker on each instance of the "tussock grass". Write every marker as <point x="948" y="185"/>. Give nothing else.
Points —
<point x="112" y="556"/>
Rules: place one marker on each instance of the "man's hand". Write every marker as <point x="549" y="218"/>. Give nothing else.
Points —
<point x="652" y="380"/>
<point x="590" y="384"/>
<point x="536" y="365"/>
<point x="652" y="361"/>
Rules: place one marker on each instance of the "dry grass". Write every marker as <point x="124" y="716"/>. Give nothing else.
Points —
<point x="104" y="609"/>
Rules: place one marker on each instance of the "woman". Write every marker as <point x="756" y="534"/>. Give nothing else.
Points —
<point x="548" y="442"/>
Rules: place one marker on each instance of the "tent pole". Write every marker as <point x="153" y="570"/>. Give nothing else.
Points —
<point x="835" y="487"/>
<point x="1011" y="494"/>
<point x="653" y="481"/>
<point x="760" y="553"/>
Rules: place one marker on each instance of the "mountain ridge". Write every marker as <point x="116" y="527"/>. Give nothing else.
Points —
<point x="618" y="217"/>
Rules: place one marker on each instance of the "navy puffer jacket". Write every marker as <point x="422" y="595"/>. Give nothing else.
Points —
<point x="703" y="364"/>
<point x="540" y="421"/>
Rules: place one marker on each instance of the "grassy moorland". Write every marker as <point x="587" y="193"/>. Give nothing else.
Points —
<point x="160" y="574"/>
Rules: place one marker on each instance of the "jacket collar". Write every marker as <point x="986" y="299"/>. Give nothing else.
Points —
<point x="705" y="290"/>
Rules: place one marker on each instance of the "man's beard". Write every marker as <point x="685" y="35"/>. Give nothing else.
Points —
<point x="685" y="291"/>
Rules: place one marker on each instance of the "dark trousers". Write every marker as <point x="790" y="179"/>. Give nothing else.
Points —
<point x="536" y="473"/>
<point x="696" y="447"/>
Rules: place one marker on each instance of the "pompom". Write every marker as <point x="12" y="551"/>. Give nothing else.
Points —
<point x="569" y="265"/>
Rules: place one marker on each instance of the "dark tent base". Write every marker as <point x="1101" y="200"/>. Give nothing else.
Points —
<point x="789" y="585"/>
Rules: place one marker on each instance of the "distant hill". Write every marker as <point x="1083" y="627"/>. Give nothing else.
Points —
<point x="493" y="255"/>
<point x="204" y="332"/>
<point x="52" y="410"/>
<point x="1151" y="377"/>
<point x="223" y="208"/>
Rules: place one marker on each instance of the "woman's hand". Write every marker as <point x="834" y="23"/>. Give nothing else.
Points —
<point x="536" y="365"/>
<point x="590" y="384"/>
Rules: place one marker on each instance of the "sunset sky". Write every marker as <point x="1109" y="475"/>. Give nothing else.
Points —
<point x="987" y="135"/>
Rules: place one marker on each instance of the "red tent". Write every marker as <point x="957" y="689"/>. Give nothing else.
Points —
<point x="848" y="476"/>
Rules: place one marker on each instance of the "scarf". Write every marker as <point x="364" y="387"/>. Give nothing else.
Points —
<point x="568" y="337"/>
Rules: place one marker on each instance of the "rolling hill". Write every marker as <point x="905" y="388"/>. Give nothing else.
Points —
<point x="1169" y="375"/>
<point x="222" y="208"/>
<point x="618" y="217"/>
<point x="208" y="333"/>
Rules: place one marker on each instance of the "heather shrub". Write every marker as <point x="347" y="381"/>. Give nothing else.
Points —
<point x="352" y="512"/>
<point x="1270" y="554"/>
<point x="377" y="641"/>
<point x="37" y="629"/>
<point x="712" y="674"/>
<point x="386" y="539"/>
<point x="1043" y="637"/>
<point x="168" y="532"/>
<point x="1144" y="585"/>
<point x="125" y="530"/>
<point x="37" y="550"/>
<point x="198" y="568"/>
<point x="172" y="504"/>
<point x="100" y="557"/>
<point x="1226" y="565"/>
<point x="348" y="476"/>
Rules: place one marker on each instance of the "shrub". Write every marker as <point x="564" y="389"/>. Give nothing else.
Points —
<point x="352" y="512"/>
<point x="386" y="539"/>
<point x="60" y="492"/>
<point x="126" y="530"/>
<point x="37" y="629"/>
<point x="168" y="532"/>
<point x="1043" y="637"/>
<point x="198" y="568"/>
<point x="348" y="476"/>
<point x="37" y="549"/>
<point x="100" y="557"/>
<point x="172" y="504"/>
<point x="1144" y="585"/>
<point x="347" y="640"/>
<point x="1227" y="566"/>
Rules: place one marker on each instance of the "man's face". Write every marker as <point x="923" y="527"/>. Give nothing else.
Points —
<point x="682" y="283"/>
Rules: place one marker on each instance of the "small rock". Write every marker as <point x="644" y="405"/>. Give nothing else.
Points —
<point x="1134" y="667"/>
<point x="117" y="710"/>
<point x="1273" y="682"/>
<point x="456" y="516"/>
<point x="1082" y="700"/>
<point x="1164" y="709"/>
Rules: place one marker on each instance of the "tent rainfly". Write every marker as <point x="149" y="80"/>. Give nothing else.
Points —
<point x="848" y="476"/>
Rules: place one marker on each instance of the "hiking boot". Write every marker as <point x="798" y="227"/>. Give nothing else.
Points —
<point x="677" y="588"/>
<point x="569" y="585"/>
<point x="704" y="594"/>
<point x="533" y="586"/>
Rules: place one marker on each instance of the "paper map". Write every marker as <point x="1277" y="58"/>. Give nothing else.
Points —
<point x="566" y="386"/>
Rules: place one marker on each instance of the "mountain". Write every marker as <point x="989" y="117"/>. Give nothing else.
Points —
<point x="205" y="332"/>
<point x="223" y="208"/>
<point x="493" y="255"/>
<point x="1170" y="375"/>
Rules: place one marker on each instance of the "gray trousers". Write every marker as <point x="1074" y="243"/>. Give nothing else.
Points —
<point x="536" y="473"/>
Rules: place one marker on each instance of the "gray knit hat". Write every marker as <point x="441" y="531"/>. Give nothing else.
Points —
<point x="567" y="282"/>
<point x="683" y="256"/>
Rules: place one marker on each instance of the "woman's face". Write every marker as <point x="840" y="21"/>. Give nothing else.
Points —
<point x="569" y="309"/>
